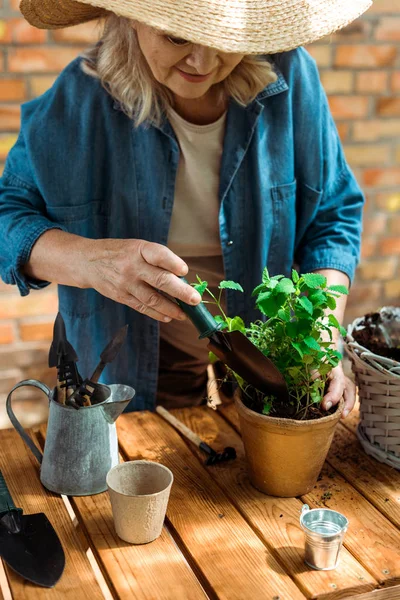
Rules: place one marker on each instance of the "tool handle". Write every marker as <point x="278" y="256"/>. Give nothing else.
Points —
<point x="6" y="501"/>
<point x="201" y="318"/>
<point x="188" y="433"/>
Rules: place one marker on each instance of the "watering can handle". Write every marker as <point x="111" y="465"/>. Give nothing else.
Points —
<point x="43" y="388"/>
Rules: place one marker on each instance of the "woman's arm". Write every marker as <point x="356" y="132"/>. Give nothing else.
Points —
<point x="339" y="384"/>
<point x="132" y="272"/>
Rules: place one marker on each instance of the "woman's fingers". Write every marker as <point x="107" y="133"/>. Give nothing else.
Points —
<point x="150" y="299"/>
<point x="349" y="397"/>
<point x="162" y="257"/>
<point x="340" y="385"/>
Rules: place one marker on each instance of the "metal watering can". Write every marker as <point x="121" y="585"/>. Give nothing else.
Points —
<point x="81" y="445"/>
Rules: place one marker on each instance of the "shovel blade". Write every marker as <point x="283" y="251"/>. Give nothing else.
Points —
<point x="243" y="357"/>
<point x="35" y="552"/>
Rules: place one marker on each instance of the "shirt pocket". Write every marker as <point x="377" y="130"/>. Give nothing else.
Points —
<point x="281" y="251"/>
<point x="89" y="220"/>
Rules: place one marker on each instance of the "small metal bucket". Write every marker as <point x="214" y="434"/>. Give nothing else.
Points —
<point x="324" y="529"/>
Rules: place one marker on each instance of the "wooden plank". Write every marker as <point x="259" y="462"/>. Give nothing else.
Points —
<point x="22" y="477"/>
<point x="371" y="538"/>
<point x="378" y="482"/>
<point x="392" y="593"/>
<point x="276" y="520"/>
<point x="233" y="560"/>
<point x="156" y="571"/>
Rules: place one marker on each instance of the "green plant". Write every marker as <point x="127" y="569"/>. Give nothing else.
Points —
<point x="295" y="332"/>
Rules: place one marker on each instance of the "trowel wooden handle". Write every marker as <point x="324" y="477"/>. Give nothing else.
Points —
<point x="188" y="433"/>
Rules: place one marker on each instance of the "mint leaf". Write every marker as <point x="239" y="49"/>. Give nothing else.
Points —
<point x="265" y="276"/>
<point x="314" y="280"/>
<point x="201" y="287"/>
<point x="311" y="343"/>
<point x="285" y="286"/>
<point x="298" y="348"/>
<point x="331" y="302"/>
<point x="237" y="324"/>
<point x="230" y="285"/>
<point x="333" y="321"/>
<point x="306" y="304"/>
<point x="295" y="275"/>
<point x="341" y="289"/>
<point x="258" y="289"/>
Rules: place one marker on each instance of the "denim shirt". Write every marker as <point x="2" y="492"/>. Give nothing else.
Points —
<point x="286" y="196"/>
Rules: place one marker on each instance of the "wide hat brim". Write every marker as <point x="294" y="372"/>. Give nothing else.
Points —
<point x="243" y="26"/>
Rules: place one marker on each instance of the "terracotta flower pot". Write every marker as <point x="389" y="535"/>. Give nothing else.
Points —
<point x="285" y="456"/>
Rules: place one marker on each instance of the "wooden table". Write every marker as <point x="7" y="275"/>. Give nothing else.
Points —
<point x="222" y="538"/>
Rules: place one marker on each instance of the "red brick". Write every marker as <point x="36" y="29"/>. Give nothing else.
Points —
<point x="10" y="117"/>
<point x="36" y="332"/>
<point x="363" y="155"/>
<point x="343" y="130"/>
<point x="388" y="30"/>
<point x="357" y="31"/>
<point x="87" y="33"/>
<point x="40" y="84"/>
<point x="12" y="90"/>
<point x="363" y="56"/>
<point x="6" y="143"/>
<point x="321" y="54"/>
<point x="384" y="6"/>
<point x="374" y="225"/>
<point x="372" y="82"/>
<point x="19" y="31"/>
<point x="37" y="304"/>
<point x="382" y="177"/>
<point x="395" y="81"/>
<point x="368" y="248"/>
<point x="5" y="32"/>
<point x="348" y="107"/>
<point x="389" y="202"/>
<point x="380" y="270"/>
<point x="337" y="82"/>
<point x="392" y="290"/>
<point x="31" y="354"/>
<point x="390" y="246"/>
<point x="389" y="107"/>
<point x="374" y="130"/>
<point x="6" y="333"/>
<point x="360" y="291"/>
<point x="40" y="60"/>
<point x="394" y="225"/>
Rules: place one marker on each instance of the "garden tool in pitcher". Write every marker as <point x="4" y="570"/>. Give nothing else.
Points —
<point x="81" y="441"/>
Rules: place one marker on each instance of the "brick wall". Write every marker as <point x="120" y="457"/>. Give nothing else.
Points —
<point x="360" y="71"/>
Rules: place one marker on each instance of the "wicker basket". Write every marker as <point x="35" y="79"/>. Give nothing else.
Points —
<point x="378" y="381"/>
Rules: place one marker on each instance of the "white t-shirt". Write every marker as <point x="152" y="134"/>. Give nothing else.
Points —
<point x="194" y="230"/>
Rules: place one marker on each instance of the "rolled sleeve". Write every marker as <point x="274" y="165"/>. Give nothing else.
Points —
<point x="22" y="221"/>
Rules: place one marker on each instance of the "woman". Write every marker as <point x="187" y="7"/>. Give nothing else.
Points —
<point x="192" y="137"/>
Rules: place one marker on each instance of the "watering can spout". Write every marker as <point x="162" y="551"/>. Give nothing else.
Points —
<point x="119" y="399"/>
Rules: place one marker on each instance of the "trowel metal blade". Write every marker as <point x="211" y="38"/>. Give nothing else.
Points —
<point x="243" y="357"/>
<point x="34" y="552"/>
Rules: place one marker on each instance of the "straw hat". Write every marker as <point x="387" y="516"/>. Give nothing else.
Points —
<point x="244" y="26"/>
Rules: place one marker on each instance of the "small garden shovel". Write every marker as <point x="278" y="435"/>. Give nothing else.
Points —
<point x="238" y="353"/>
<point x="28" y="543"/>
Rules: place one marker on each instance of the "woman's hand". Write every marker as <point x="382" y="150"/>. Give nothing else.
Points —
<point x="340" y="385"/>
<point x="134" y="272"/>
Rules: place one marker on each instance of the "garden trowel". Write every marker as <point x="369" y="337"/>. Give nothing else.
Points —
<point x="28" y="543"/>
<point x="238" y="353"/>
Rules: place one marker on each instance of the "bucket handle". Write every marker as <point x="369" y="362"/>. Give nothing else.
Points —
<point x="43" y="388"/>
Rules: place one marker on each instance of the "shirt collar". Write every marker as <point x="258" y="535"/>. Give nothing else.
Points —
<point x="278" y="86"/>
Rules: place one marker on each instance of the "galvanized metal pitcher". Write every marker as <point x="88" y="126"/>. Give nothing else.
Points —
<point x="81" y="445"/>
